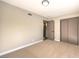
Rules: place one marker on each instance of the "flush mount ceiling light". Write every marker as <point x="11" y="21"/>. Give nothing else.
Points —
<point x="45" y="3"/>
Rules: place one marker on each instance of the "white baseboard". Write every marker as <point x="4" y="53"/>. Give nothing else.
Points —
<point x="57" y="40"/>
<point x="6" y="52"/>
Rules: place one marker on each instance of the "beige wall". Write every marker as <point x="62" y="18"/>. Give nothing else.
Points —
<point x="17" y="28"/>
<point x="57" y="24"/>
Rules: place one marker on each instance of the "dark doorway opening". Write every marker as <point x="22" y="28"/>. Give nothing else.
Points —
<point x="44" y="29"/>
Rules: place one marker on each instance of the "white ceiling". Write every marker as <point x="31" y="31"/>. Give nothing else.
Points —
<point x="54" y="9"/>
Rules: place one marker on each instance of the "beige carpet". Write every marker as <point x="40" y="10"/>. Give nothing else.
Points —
<point x="47" y="49"/>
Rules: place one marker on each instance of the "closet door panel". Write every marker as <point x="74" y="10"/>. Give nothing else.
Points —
<point x="64" y="30"/>
<point x="78" y="30"/>
<point x="72" y="30"/>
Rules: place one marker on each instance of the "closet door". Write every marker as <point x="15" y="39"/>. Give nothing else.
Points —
<point x="64" y="30"/>
<point x="72" y="30"/>
<point x="78" y="30"/>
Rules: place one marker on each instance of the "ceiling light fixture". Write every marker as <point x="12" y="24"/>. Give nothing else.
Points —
<point x="45" y="3"/>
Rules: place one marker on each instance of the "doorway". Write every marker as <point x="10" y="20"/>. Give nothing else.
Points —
<point x="48" y="31"/>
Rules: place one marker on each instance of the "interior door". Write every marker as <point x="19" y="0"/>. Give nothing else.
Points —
<point x="50" y="30"/>
<point x="72" y="33"/>
<point x="64" y="30"/>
